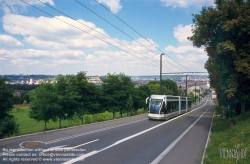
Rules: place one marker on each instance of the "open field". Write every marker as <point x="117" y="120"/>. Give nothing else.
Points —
<point x="229" y="145"/>
<point x="28" y="125"/>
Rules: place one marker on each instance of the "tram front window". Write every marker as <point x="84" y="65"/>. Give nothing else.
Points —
<point x="155" y="105"/>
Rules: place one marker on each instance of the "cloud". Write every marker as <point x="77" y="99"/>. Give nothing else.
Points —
<point x="114" y="5"/>
<point x="187" y="3"/>
<point x="190" y="57"/>
<point x="24" y="62"/>
<point x="16" y="6"/>
<point x="67" y="62"/>
<point x="9" y="40"/>
<point x="181" y="33"/>
<point x="40" y="54"/>
<point x="51" y="33"/>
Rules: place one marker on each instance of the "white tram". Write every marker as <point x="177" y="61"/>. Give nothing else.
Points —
<point x="167" y="106"/>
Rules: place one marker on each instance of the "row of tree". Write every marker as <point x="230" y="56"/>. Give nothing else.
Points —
<point x="73" y="95"/>
<point x="8" y="123"/>
<point x="224" y="31"/>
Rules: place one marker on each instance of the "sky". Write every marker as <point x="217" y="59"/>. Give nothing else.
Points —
<point x="68" y="36"/>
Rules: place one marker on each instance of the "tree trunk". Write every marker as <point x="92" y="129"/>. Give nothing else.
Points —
<point x="45" y="126"/>
<point x="60" y="123"/>
<point x="231" y="122"/>
<point x="243" y="109"/>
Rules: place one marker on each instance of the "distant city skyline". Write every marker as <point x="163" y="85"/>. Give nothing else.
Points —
<point x="32" y="42"/>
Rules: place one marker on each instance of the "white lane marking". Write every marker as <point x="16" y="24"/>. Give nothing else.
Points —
<point x="90" y="132"/>
<point x="32" y="134"/>
<point x="123" y="140"/>
<point x="165" y="152"/>
<point x="67" y="148"/>
<point x="207" y="139"/>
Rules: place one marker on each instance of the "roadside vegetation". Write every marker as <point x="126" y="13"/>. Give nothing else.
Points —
<point x="72" y="101"/>
<point x="29" y="125"/>
<point x="224" y="31"/>
<point x="229" y="145"/>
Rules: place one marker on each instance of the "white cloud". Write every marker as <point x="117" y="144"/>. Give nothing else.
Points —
<point x="24" y="62"/>
<point x="40" y="54"/>
<point x="9" y="40"/>
<point x="190" y="57"/>
<point x="51" y="33"/>
<point x="15" y="6"/>
<point x="67" y="62"/>
<point x="182" y="32"/>
<point x="187" y="3"/>
<point x="20" y="3"/>
<point x="114" y="5"/>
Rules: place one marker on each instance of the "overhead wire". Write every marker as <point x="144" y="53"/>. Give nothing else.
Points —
<point x="139" y="33"/>
<point x="95" y="30"/>
<point x="119" y="29"/>
<point x="85" y="32"/>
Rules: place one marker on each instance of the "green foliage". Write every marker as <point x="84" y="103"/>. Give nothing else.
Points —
<point x="224" y="32"/>
<point x="116" y="90"/>
<point x="227" y="138"/>
<point x="220" y="110"/>
<point x="44" y="103"/>
<point x="6" y="98"/>
<point x="25" y="102"/>
<point x="88" y="118"/>
<point x="8" y="126"/>
<point x="99" y="117"/>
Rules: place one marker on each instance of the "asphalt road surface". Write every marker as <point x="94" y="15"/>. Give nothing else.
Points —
<point x="134" y="140"/>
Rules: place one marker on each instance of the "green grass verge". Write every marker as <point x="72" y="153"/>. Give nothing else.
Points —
<point x="229" y="145"/>
<point x="28" y="125"/>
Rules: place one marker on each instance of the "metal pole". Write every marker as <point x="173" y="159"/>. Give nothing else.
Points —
<point x="195" y="92"/>
<point x="186" y="86"/>
<point x="161" y="73"/>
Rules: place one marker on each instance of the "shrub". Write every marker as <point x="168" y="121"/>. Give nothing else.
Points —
<point x="8" y="126"/>
<point x="88" y="118"/>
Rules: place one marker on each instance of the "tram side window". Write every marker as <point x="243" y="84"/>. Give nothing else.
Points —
<point x="189" y="104"/>
<point x="183" y="105"/>
<point x="173" y="106"/>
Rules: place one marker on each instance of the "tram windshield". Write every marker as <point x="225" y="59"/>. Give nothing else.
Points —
<point x="155" y="105"/>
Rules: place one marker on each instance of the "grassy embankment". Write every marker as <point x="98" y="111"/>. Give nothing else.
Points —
<point x="28" y="125"/>
<point x="229" y="145"/>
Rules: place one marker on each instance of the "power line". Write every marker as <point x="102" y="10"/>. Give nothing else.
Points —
<point x="95" y="30"/>
<point x="118" y="29"/>
<point x="84" y="31"/>
<point x="138" y="33"/>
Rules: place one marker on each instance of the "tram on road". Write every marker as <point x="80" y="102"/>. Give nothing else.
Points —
<point x="166" y="106"/>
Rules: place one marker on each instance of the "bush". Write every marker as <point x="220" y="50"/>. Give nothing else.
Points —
<point x="8" y="126"/>
<point x="140" y="111"/>
<point x="88" y="118"/>
<point x="220" y="110"/>
<point x="108" y="115"/>
<point x="99" y="117"/>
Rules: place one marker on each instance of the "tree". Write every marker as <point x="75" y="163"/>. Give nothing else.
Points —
<point x="8" y="123"/>
<point x="67" y="97"/>
<point x="224" y="32"/>
<point x="116" y="90"/>
<point x="130" y="104"/>
<point x="44" y="105"/>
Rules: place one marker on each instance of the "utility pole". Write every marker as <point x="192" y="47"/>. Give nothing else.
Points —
<point x="161" y="73"/>
<point x="195" y="92"/>
<point x="186" y="86"/>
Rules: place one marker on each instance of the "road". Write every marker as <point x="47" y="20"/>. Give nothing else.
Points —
<point x="124" y="141"/>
